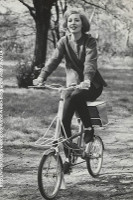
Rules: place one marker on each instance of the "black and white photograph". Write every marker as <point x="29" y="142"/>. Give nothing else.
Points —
<point x="66" y="100"/>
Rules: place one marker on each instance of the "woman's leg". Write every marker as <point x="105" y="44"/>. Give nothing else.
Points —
<point x="68" y="112"/>
<point x="79" y="99"/>
<point x="76" y="101"/>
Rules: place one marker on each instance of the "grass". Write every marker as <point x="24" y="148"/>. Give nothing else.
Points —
<point x="27" y="113"/>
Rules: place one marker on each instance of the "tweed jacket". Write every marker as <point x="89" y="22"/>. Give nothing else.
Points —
<point x="85" y="51"/>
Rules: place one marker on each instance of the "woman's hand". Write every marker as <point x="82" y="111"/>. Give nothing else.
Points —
<point x="38" y="81"/>
<point x="85" y="85"/>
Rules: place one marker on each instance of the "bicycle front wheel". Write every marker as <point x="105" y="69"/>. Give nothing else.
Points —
<point x="50" y="175"/>
<point x="95" y="159"/>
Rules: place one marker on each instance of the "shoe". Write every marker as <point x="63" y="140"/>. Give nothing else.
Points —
<point x="89" y="148"/>
<point x="89" y="135"/>
<point x="66" y="167"/>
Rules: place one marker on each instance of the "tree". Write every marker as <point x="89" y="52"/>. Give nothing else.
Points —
<point x="111" y="19"/>
<point x="41" y="13"/>
<point x="56" y="15"/>
<point x="7" y="23"/>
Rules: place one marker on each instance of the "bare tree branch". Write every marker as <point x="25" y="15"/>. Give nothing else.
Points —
<point x="92" y="4"/>
<point x="63" y="6"/>
<point x="31" y="9"/>
<point x="16" y="36"/>
<point x="92" y="14"/>
<point x="103" y="8"/>
<point x="26" y="25"/>
<point x="50" y="40"/>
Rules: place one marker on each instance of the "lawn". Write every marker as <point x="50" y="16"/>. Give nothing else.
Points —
<point x="28" y="112"/>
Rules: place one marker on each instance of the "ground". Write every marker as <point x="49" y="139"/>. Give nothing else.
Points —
<point x="114" y="182"/>
<point x="21" y="161"/>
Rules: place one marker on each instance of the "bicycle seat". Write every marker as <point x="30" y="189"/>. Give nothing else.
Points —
<point x="97" y="112"/>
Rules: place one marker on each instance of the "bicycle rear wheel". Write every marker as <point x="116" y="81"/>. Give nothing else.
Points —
<point x="95" y="156"/>
<point x="50" y="175"/>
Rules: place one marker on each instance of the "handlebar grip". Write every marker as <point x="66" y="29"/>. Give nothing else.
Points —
<point x="36" y="87"/>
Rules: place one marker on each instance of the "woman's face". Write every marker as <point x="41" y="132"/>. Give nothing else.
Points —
<point x="74" y="23"/>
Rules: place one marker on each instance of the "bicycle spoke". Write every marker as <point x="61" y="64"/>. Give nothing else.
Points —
<point x="50" y="176"/>
<point x="95" y="158"/>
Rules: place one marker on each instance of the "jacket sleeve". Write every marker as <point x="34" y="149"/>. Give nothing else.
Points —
<point x="90" y="64"/>
<point x="53" y="61"/>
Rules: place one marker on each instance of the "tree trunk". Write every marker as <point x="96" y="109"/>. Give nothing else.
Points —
<point x="43" y="14"/>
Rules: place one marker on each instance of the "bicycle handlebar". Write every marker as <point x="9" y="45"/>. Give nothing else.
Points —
<point x="52" y="87"/>
<point x="44" y="87"/>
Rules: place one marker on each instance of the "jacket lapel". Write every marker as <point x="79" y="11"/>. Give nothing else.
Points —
<point x="74" y="56"/>
<point x="77" y="66"/>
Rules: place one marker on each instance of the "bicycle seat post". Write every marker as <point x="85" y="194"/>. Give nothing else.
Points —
<point x="61" y="104"/>
<point x="80" y="131"/>
<point x="60" y="114"/>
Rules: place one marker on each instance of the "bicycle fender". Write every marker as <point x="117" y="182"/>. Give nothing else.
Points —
<point x="53" y="151"/>
<point x="49" y="151"/>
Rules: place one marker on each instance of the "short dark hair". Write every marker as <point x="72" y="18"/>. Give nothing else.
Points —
<point x="85" y="21"/>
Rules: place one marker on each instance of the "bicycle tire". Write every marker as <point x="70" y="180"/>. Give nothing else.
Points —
<point x="50" y="174"/>
<point x="95" y="159"/>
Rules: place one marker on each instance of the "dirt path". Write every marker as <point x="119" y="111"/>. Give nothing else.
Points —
<point x="115" y="181"/>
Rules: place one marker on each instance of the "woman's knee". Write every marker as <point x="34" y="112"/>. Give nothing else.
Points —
<point x="97" y="93"/>
<point x="76" y="96"/>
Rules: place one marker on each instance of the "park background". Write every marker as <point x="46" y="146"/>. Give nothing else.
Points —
<point x="27" y="113"/>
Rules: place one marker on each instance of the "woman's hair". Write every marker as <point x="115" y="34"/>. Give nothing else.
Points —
<point x="85" y="21"/>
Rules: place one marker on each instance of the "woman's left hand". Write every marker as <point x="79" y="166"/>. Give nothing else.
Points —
<point x="85" y="85"/>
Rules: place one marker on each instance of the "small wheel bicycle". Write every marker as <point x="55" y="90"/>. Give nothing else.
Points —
<point x="50" y="171"/>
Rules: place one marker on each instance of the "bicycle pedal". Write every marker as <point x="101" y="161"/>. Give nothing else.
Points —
<point x="67" y="167"/>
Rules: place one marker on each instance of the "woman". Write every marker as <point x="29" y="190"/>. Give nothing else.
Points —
<point x="80" y="52"/>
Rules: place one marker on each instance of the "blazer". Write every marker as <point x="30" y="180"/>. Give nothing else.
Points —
<point x="84" y="51"/>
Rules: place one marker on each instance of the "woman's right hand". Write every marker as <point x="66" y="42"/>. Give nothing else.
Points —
<point x="39" y="81"/>
<point x="85" y="84"/>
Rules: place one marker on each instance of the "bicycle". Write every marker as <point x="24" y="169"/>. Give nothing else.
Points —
<point x="50" y="171"/>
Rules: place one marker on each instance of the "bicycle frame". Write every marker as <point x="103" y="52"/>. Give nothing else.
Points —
<point x="59" y="123"/>
<point x="58" y="118"/>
